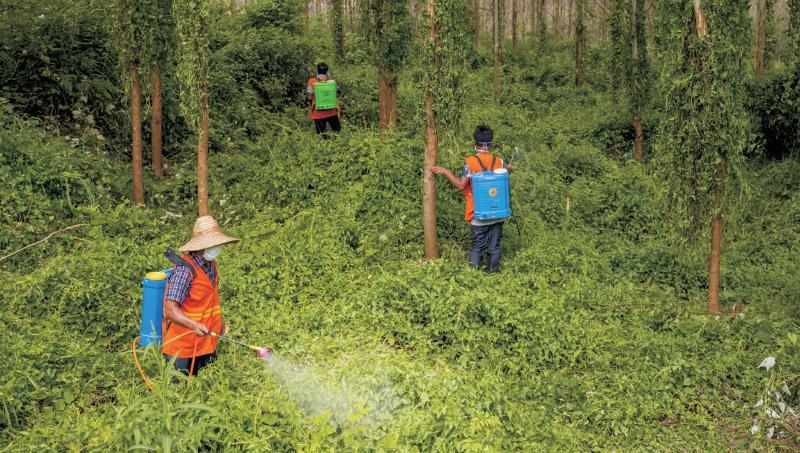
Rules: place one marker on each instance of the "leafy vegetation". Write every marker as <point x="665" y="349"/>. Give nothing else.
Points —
<point x="593" y="336"/>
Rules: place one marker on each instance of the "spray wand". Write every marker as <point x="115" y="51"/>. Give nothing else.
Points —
<point x="261" y="352"/>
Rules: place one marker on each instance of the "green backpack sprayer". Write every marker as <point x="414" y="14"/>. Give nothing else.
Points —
<point x="154" y="287"/>
<point x="325" y="95"/>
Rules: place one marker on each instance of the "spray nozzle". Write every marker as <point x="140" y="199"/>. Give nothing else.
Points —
<point x="261" y="352"/>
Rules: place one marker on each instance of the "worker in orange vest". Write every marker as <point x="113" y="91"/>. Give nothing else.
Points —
<point x="323" y="118"/>
<point x="486" y="234"/>
<point x="192" y="311"/>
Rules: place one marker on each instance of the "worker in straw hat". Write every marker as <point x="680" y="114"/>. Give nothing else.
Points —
<point x="191" y="300"/>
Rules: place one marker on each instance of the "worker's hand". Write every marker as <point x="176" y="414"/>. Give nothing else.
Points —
<point x="509" y="167"/>
<point x="438" y="170"/>
<point x="201" y="330"/>
<point x="224" y="329"/>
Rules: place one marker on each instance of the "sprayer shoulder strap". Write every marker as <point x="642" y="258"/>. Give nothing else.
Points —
<point x="180" y="262"/>
<point x="480" y="162"/>
<point x="494" y="160"/>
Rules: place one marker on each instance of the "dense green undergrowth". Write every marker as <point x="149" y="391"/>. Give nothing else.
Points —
<point x="593" y="335"/>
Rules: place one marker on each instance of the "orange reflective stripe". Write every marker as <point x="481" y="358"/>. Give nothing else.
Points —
<point x="201" y="314"/>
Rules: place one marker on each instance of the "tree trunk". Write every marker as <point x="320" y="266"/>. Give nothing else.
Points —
<point x="155" y="123"/>
<point x="415" y="15"/>
<point x="716" y="239"/>
<point x="793" y="11"/>
<point x="496" y="27"/>
<point x="570" y="8"/>
<point x="136" y="129"/>
<point x="337" y="29"/>
<point x="306" y="17"/>
<point x="542" y="28"/>
<point x="387" y="97"/>
<point x="556" y="20"/>
<point x="637" y="10"/>
<point x="580" y="45"/>
<point x="501" y="24"/>
<point x="431" y="149"/>
<point x="637" y="127"/>
<point x="650" y="21"/>
<point x="476" y="7"/>
<point x="716" y="223"/>
<point x="202" y="157"/>
<point x="532" y="18"/>
<point x="514" y="14"/>
<point x="761" y="37"/>
<point x="700" y="19"/>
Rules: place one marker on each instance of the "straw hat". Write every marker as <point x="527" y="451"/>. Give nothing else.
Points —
<point x="206" y="233"/>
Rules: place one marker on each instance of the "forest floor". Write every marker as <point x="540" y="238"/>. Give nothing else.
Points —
<point x="593" y="336"/>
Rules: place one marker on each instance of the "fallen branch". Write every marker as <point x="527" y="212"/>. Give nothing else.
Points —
<point x="80" y="225"/>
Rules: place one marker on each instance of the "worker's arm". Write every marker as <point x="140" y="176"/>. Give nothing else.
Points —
<point x="173" y="313"/>
<point x="459" y="183"/>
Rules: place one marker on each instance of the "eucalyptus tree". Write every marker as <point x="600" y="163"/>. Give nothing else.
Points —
<point x="144" y="38"/>
<point x="761" y="37"/>
<point x="619" y="41"/>
<point x="131" y="52"/>
<point x="794" y="40"/>
<point x="158" y="40"/>
<point x="192" y="23"/>
<point x="794" y="29"/>
<point x="337" y="29"/>
<point x="532" y="7"/>
<point x="433" y="55"/>
<point x="497" y="40"/>
<point x="444" y="55"/>
<point x="514" y="14"/>
<point x="580" y="43"/>
<point x="541" y="12"/>
<point x="705" y="126"/>
<point x="629" y="65"/>
<point x="639" y="74"/>
<point x="388" y="27"/>
<point x="476" y="12"/>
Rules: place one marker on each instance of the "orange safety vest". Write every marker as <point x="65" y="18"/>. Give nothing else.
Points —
<point x="201" y="304"/>
<point x="490" y="162"/>
<point x="319" y="114"/>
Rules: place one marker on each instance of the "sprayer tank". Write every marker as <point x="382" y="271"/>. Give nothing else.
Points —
<point x="153" y="287"/>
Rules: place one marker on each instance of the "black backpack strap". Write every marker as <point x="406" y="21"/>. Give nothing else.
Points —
<point x="180" y="262"/>
<point x="494" y="160"/>
<point x="480" y="162"/>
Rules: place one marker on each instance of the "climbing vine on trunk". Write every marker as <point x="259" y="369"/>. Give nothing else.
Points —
<point x="191" y="19"/>
<point x="337" y="29"/>
<point x="444" y="58"/>
<point x="639" y="82"/>
<point x="704" y="129"/>
<point x="388" y="28"/>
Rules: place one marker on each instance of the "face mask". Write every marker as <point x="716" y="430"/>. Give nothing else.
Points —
<point x="211" y="253"/>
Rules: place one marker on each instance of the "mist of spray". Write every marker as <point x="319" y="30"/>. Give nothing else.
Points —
<point x="349" y="402"/>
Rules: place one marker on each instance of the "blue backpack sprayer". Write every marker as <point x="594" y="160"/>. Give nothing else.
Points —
<point x="491" y="193"/>
<point x="154" y="287"/>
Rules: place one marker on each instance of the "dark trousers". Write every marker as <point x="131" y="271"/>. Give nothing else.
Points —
<point x="200" y="362"/>
<point x="321" y="125"/>
<point x="486" y="239"/>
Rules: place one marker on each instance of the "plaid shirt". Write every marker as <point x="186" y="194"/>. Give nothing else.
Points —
<point x="180" y="280"/>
